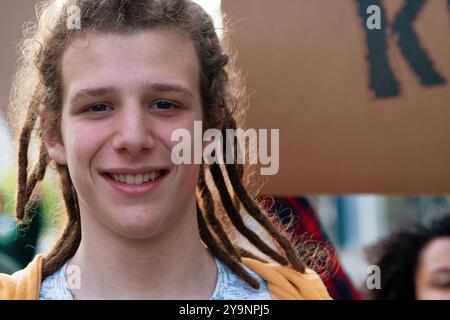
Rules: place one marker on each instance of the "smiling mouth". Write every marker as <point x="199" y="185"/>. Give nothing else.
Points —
<point x="137" y="179"/>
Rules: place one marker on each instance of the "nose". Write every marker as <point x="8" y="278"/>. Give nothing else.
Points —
<point x="133" y="131"/>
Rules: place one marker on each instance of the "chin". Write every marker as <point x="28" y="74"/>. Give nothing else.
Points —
<point x="138" y="231"/>
<point x="140" y="225"/>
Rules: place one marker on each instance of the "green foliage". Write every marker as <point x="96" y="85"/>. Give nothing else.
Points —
<point x="47" y="192"/>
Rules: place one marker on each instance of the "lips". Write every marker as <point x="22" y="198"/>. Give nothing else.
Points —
<point x="134" y="182"/>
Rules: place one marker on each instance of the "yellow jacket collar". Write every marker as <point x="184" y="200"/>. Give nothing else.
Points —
<point x="283" y="283"/>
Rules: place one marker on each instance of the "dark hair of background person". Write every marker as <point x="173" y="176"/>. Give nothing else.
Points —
<point x="397" y="256"/>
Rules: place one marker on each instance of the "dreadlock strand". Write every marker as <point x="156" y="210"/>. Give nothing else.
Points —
<point x="235" y="175"/>
<point x="211" y="217"/>
<point x="64" y="249"/>
<point x="248" y="254"/>
<point x="38" y="172"/>
<point x="24" y="142"/>
<point x="255" y="212"/>
<point x="236" y="219"/>
<point x="218" y="252"/>
<point x="230" y="123"/>
<point x="68" y="243"/>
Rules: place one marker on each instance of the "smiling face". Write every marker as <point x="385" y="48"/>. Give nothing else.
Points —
<point x="123" y="96"/>
<point x="433" y="271"/>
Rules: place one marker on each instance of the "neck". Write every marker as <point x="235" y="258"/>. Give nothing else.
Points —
<point x="171" y="265"/>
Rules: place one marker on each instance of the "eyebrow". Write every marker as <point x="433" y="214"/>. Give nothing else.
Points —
<point x="164" y="87"/>
<point x="442" y="270"/>
<point x="158" y="87"/>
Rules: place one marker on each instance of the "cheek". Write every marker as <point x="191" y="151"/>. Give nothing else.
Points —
<point x="164" y="131"/>
<point x="191" y="178"/>
<point x="422" y="284"/>
<point x="82" y="142"/>
<point x="185" y="175"/>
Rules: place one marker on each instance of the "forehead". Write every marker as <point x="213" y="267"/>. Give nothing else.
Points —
<point x="126" y="61"/>
<point x="436" y="254"/>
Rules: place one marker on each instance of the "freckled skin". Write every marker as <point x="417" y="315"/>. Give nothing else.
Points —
<point x="433" y="271"/>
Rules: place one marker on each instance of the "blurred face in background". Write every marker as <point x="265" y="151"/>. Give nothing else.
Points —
<point x="433" y="271"/>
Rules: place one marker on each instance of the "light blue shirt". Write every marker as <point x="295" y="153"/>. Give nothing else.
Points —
<point x="228" y="287"/>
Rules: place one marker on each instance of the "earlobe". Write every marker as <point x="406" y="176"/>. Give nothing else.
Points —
<point x="54" y="145"/>
<point x="56" y="151"/>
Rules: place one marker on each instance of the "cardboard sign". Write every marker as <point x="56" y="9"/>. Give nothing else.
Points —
<point x="360" y="109"/>
<point x="13" y="16"/>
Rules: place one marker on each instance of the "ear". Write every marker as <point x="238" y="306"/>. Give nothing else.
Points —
<point x="54" y="145"/>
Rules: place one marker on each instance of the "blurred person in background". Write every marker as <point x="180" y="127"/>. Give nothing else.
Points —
<point x="414" y="262"/>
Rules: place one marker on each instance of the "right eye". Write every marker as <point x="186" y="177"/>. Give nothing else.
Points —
<point x="100" y="107"/>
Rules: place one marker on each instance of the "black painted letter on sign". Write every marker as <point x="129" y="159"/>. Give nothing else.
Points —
<point x="382" y="78"/>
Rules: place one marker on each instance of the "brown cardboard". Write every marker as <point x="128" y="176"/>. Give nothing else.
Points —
<point x="307" y="73"/>
<point x="308" y="76"/>
<point x="13" y="16"/>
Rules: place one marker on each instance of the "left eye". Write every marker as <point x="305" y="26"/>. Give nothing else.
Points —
<point x="445" y="285"/>
<point x="100" y="107"/>
<point x="163" y="105"/>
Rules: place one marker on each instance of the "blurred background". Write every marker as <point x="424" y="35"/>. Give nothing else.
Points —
<point x="364" y="131"/>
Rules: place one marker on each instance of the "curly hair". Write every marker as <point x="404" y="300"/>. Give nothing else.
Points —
<point x="397" y="256"/>
<point x="222" y="192"/>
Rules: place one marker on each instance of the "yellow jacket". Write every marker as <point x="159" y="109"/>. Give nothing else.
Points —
<point x="283" y="282"/>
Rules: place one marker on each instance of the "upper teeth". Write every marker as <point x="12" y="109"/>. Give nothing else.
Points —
<point x="137" y="178"/>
